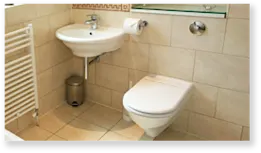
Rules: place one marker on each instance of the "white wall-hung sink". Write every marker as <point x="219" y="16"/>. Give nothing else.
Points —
<point x="86" y="42"/>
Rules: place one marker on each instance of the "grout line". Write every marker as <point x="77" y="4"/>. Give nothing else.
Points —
<point x="224" y="54"/>
<point x="92" y="122"/>
<point x="171" y="30"/>
<point x="216" y="102"/>
<point x="224" y="37"/>
<point x="220" y="87"/>
<point x="105" y="105"/>
<point x="115" y="124"/>
<point x="108" y="130"/>
<point x="103" y="135"/>
<point x="220" y="53"/>
<point x="217" y="119"/>
<point x="149" y="58"/>
<point x="188" y="121"/>
<point x="49" y="137"/>
<point x="194" y="65"/>
<point x="188" y="133"/>
<point x="241" y="135"/>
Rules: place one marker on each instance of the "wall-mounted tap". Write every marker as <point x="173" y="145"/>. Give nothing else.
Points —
<point x="93" y="21"/>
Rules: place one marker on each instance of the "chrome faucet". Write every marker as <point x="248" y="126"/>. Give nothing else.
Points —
<point x="93" y="21"/>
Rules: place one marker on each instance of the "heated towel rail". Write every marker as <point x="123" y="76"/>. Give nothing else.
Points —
<point x="20" y="75"/>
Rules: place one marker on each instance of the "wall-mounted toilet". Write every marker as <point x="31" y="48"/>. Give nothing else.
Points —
<point x="153" y="103"/>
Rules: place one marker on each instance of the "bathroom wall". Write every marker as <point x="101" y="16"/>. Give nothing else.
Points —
<point x="54" y="61"/>
<point x="216" y="62"/>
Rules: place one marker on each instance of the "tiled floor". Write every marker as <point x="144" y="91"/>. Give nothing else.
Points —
<point x="91" y="122"/>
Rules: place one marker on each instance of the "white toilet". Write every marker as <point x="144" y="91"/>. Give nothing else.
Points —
<point x="153" y="103"/>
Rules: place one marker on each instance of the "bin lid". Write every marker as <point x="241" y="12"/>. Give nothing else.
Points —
<point x="74" y="80"/>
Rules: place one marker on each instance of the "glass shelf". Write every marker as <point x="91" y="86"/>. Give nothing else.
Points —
<point x="183" y="8"/>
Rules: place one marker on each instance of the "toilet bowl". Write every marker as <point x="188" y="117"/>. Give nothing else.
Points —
<point x="154" y="102"/>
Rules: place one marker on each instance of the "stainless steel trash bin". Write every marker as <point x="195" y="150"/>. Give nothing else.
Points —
<point x="75" y="90"/>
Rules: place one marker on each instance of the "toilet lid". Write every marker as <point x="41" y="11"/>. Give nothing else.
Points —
<point x="156" y="95"/>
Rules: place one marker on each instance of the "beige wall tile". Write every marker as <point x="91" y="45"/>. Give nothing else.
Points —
<point x="132" y="55"/>
<point x="47" y="9"/>
<point x="58" y="95"/>
<point x="170" y="61"/>
<point x="42" y="30"/>
<point x="107" y="18"/>
<point x="101" y="116"/>
<point x="13" y="27"/>
<point x="116" y="100"/>
<point x="107" y="58"/>
<point x="237" y="37"/>
<point x="25" y="120"/>
<point x="61" y="53"/>
<point x="222" y="71"/>
<point x="135" y="76"/>
<point x="79" y="15"/>
<point x="91" y="73"/>
<point x="239" y="11"/>
<point x="203" y="99"/>
<point x="21" y="13"/>
<point x="213" y="129"/>
<point x="181" y="122"/>
<point x="99" y="94"/>
<point x="44" y="56"/>
<point x="34" y="134"/>
<point x="12" y="127"/>
<point x="59" y="20"/>
<point x="51" y="100"/>
<point x="211" y="40"/>
<point x="233" y="106"/>
<point x="61" y="72"/>
<point x="112" y="77"/>
<point x="158" y="31"/>
<point x="79" y="130"/>
<point x="45" y="82"/>
<point x="78" y="66"/>
<point x="245" y="134"/>
<point x="45" y="104"/>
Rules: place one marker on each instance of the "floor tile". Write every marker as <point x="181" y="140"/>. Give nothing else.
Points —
<point x="55" y="138"/>
<point x="79" y="130"/>
<point x="171" y="135"/>
<point x="128" y="129"/>
<point x="55" y="120"/>
<point x="101" y="116"/>
<point x="34" y="133"/>
<point x="75" y="111"/>
<point x="112" y="136"/>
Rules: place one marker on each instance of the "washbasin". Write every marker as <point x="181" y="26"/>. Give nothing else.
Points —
<point x="86" y="42"/>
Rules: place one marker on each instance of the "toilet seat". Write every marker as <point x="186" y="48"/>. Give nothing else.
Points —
<point x="129" y="109"/>
<point x="156" y="96"/>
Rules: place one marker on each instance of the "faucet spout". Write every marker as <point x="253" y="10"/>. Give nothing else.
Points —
<point x="93" y="21"/>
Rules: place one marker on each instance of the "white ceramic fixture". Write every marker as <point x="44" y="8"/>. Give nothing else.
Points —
<point x="9" y="136"/>
<point x="154" y="102"/>
<point x="86" y="42"/>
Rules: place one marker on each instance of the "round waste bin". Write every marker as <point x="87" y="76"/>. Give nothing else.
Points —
<point x="75" y="90"/>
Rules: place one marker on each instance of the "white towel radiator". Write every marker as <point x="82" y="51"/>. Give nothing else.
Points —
<point x="21" y="94"/>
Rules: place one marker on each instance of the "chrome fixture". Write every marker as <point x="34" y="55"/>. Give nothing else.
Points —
<point x="93" y="21"/>
<point x="209" y="6"/>
<point x="197" y="28"/>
